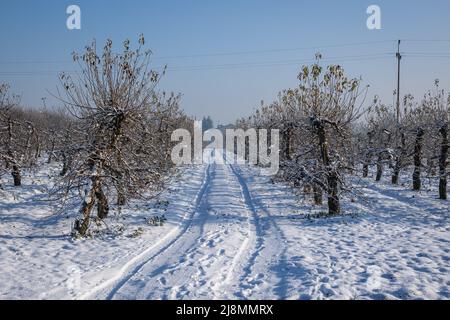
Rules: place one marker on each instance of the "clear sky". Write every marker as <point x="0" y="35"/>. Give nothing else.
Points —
<point x="226" y="56"/>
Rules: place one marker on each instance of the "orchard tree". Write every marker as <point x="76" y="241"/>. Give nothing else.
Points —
<point x="330" y="101"/>
<point x="12" y="135"/>
<point x="118" y="135"/>
<point x="434" y="114"/>
<point x="315" y="120"/>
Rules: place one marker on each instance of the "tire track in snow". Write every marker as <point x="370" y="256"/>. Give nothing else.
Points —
<point x="227" y="273"/>
<point x="135" y="264"/>
<point x="194" y="267"/>
<point x="246" y="279"/>
<point x="251" y="280"/>
<point x="217" y="284"/>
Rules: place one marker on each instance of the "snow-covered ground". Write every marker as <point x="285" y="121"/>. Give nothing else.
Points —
<point x="230" y="233"/>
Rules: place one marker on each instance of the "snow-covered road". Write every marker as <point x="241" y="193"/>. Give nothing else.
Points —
<point x="232" y="234"/>
<point x="200" y="261"/>
<point x="221" y="250"/>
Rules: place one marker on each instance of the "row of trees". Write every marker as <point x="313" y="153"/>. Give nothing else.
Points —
<point x="25" y="135"/>
<point x="418" y="139"/>
<point x="327" y="135"/>
<point x="113" y="138"/>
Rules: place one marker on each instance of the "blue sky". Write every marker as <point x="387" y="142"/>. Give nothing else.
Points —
<point x="227" y="56"/>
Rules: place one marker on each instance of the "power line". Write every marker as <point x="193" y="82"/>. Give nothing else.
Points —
<point x="250" y="52"/>
<point x="200" y="55"/>
<point x="273" y="63"/>
<point x="37" y="62"/>
<point x="289" y="62"/>
<point x="425" y="40"/>
<point x="432" y="53"/>
<point x="276" y="50"/>
<point x="240" y="65"/>
<point x="39" y="72"/>
<point x="427" y="56"/>
<point x="409" y="55"/>
<point x="266" y="65"/>
<point x="224" y="66"/>
<point x="236" y="65"/>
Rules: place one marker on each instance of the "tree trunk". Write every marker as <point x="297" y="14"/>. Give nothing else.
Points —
<point x="368" y="156"/>
<point x="351" y="170"/>
<point x="66" y="164"/>
<point x="334" y="206"/>
<point x="9" y="147"/>
<point x="399" y="160"/>
<point x="82" y="226"/>
<point x="16" y="175"/>
<point x="31" y="132"/>
<point x="121" y="198"/>
<point x="37" y="153"/>
<point x="317" y="192"/>
<point x="287" y="144"/>
<point x="443" y="163"/>
<point x="396" y="174"/>
<point x="102" y="203"/>
<point x="92" y="192"/>
<point x="379" y="168"/>
<point x="417" y="184"/>
<point x="365" y="170"/>
<point x="11" y="157"/>
<point x="52" y="151"/>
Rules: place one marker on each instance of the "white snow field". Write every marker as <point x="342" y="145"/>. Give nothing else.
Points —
<point x="230" y="234"/>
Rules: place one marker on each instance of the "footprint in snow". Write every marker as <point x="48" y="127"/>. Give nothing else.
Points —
<point x="162" y="280"/>
<point x="326" y="291"/>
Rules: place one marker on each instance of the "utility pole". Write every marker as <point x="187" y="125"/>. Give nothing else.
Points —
<point x="43" y="101"/>
<point x="399" y="58"/>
